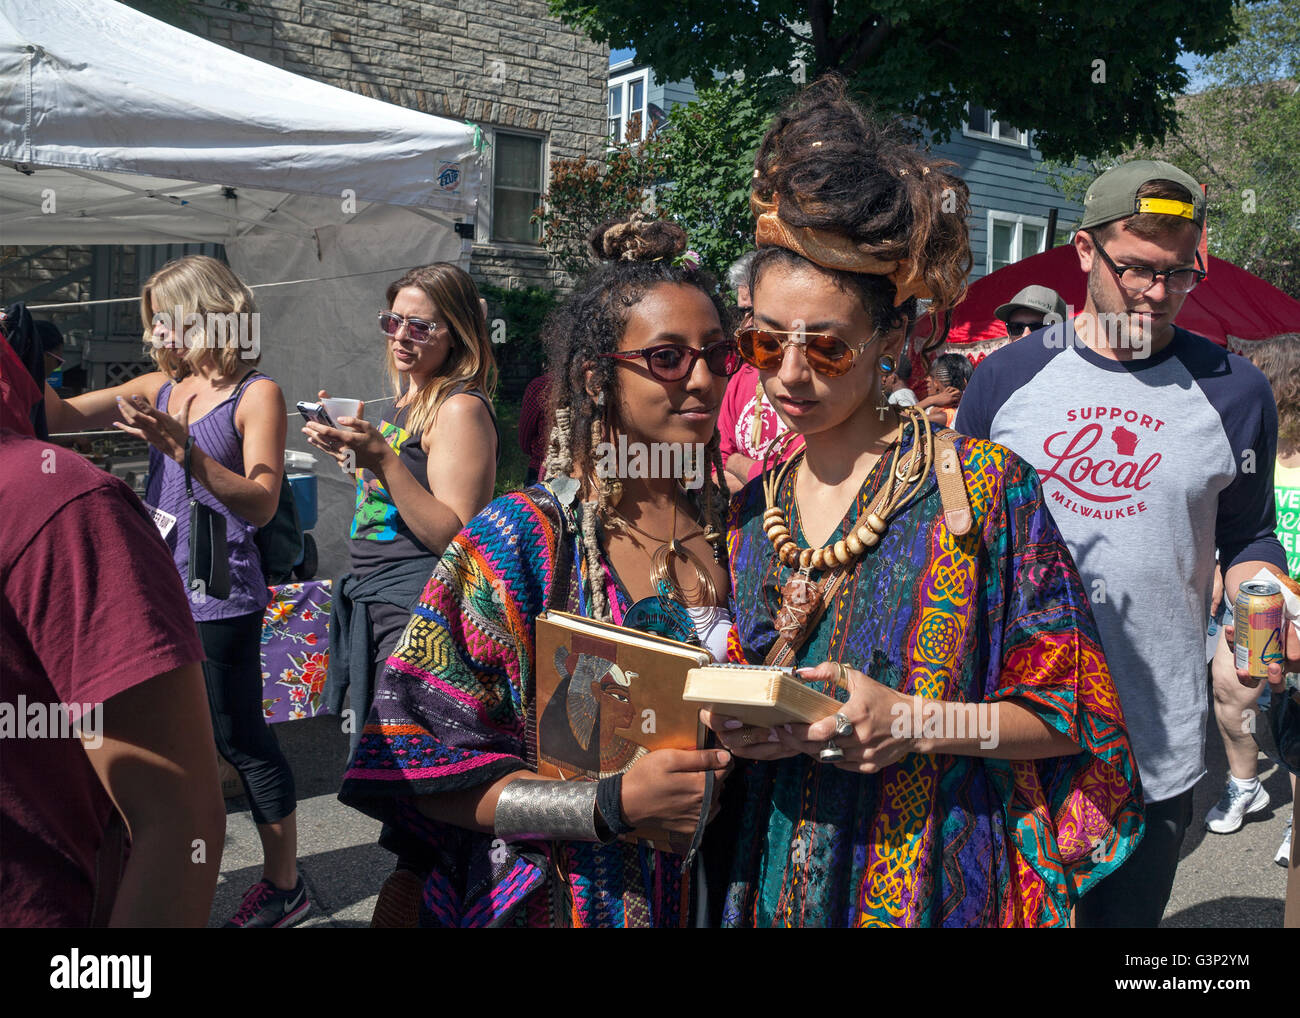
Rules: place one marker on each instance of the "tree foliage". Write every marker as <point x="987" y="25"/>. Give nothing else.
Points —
<point x="708" y="149"/>
<point x="584" y="192"/>
<point x="695" y="169"/>
<point x="1086" y="77"/>
<point x="1240" y="136"/>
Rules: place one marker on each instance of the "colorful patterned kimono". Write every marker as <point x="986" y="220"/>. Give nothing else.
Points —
<point x="450" y="713"/>
<point x="939" y="840"/>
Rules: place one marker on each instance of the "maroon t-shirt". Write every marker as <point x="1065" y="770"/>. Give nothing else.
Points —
<point x="90" y="605"/>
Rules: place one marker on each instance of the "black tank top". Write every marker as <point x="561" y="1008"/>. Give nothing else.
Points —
<point x="379" y="534"/>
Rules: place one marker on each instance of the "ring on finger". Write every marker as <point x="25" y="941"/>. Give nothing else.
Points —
<point x="831" y="753"/>
<point x="843" y="727"/>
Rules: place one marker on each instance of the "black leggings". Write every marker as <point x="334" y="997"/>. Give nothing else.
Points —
<point x="233" y="676"/>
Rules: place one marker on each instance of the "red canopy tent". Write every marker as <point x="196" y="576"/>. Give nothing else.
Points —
<point x="1230" y="305"/>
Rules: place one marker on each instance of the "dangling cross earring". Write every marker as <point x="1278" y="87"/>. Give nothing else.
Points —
<point x="884" y="366"/>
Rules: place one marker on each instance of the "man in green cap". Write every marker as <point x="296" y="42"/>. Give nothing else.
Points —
<point x="1154" y="448"/>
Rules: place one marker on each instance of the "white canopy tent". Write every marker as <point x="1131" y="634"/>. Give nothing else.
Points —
<point x="120" y="129"/>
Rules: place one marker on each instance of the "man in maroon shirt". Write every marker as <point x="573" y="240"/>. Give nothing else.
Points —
<point x="93" y="622"/>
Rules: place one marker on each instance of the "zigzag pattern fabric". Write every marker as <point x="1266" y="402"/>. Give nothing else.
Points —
<point x="451" y="713"/>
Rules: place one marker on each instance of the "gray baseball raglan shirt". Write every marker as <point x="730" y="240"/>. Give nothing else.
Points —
<point x="1147" y="466"/>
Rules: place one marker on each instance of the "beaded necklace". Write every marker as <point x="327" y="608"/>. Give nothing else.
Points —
<point x="905" y="475"/>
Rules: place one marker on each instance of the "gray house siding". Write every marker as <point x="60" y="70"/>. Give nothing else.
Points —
<point x="1003" y="178"/>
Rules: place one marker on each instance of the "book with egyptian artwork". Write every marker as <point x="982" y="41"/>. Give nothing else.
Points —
<point x="606" y="696"/>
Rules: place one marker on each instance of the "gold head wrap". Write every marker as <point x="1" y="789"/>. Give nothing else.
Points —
<point x="833" y="250"/>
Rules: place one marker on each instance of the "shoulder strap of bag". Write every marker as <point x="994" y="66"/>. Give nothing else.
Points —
<point x="952" y="485"/>
<point x="110" y="860"/>
<point x="956" y="516"/>
<point x="189" y="486"/>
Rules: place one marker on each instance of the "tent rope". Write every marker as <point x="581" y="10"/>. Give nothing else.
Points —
<point x="254" y="286"/>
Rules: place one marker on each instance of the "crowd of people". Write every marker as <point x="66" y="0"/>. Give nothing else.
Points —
<point x="1035" y="539"/>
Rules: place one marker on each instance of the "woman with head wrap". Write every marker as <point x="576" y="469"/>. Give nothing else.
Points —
<point x="978" y="772"/>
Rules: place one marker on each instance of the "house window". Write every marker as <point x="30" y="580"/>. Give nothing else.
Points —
<point x="627" y="107"/>
<point x="1013" y="237"/>
<point x="982" y="123"/>
<point x="518" y="179"/>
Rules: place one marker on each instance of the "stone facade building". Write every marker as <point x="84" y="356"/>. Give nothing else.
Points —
<point x="535" y="87"/>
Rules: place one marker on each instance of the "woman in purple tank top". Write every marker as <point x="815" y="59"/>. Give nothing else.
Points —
<point x="198" y="320"/>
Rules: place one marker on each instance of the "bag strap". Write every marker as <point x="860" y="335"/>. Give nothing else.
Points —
<point x="952" y="485"/>
<point x="783" y="651"/>
<point x="189" y="486"/>
<point x="109" y="860"/>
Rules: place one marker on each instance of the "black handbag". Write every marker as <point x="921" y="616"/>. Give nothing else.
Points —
<point x="209" y="571"/>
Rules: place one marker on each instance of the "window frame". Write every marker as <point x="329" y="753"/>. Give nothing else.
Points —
<point x="1018" y="221"/>
<point x="486" y="232"/>
<point x="623" y="82"/>
<point x="995" y="132"/>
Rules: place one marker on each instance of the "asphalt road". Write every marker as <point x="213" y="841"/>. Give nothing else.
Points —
<point x="1223" y="880"/>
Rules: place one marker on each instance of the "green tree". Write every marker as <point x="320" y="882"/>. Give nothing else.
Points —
<point x="1240" y="136"/>
<point x="1086" y="77"/>
<point x="708" y="148"/>
<point x="695" y="170"/>
<point x="584" y="192"/>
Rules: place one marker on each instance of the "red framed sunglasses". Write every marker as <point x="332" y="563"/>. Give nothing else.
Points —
<point x="670" y="362"/>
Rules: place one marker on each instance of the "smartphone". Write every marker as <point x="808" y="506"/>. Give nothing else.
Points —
<point x="317" y="413"/>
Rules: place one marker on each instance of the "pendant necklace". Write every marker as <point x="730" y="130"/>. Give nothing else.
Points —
<point x="801" y="598"/>
<point x="703" y="593"/>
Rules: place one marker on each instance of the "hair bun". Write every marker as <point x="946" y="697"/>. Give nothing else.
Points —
<point x="637" y="238"/>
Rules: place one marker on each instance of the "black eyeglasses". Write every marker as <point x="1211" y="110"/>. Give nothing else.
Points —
<point x="670" y="362"/>
<point x="1017" y="329"/>
<point x="417" y="329"/>
<point x="1138" y="279"/>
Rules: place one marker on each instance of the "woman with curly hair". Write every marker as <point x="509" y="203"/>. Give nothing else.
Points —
<point x="638" y="357"/>
<point x="978" y="772"/>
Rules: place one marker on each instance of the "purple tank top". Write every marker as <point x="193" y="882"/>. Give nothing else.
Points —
<point x="215" y="434"/>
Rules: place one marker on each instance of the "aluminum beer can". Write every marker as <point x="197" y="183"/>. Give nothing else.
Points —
<point x="1257" y="615"/>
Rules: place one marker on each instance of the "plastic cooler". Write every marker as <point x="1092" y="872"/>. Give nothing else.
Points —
<point x="299" y="468"/>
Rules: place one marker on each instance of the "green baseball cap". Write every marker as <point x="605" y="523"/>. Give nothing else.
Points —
<point x="1113" y="195"/>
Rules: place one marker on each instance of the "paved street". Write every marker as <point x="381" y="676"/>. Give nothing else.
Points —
<point x="1223" y="881"/>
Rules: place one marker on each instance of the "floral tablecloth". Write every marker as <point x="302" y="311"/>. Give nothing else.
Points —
<point x="295" y="651"/>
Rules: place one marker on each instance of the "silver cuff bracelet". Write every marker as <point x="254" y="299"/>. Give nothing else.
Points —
<point x="547" y="811"/>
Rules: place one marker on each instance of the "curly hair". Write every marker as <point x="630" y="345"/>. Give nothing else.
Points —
<point x="834" y="167"/>
<point x="638" y="253"/>
<point x="1279" y="359"/>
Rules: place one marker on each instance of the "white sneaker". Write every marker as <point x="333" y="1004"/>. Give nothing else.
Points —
<point x="1227" y="814"/>
<point x="1283" y="857"/>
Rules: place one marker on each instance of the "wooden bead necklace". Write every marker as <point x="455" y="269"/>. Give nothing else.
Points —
<point x="904" y="478"/>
